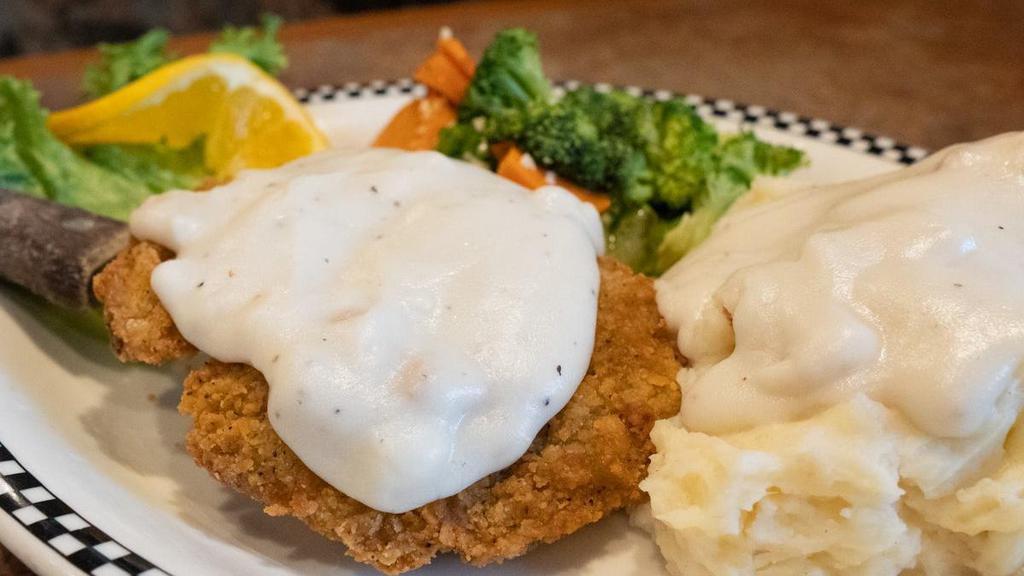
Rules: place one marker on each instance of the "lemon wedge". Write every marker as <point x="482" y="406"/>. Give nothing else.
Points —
<point x="248" y="119"/>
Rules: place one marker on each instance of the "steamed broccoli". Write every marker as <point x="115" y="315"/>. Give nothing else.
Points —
<point x="669" y="175"/>
<point x="565" y="139"/>
<point x="735" y="163"/>
<point x="581" y="138"/>
<point x="679" y="154"/>
<point x="509" y="76"/>
<point x="465" y="142"/>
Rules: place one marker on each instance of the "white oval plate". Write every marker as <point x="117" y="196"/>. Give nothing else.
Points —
<point x="93" y="474"/>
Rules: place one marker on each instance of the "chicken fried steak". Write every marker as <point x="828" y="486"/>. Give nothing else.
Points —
<point x="586" y="463"/>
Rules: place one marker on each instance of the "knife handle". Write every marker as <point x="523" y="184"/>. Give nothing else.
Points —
<point x="54" y="250"/>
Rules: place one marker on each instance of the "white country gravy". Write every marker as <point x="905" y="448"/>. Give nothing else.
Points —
<point x="905" y="287"/>
<point x="418" y="319"/>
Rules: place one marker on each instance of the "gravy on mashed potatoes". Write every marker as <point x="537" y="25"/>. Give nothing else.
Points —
<point x="853" y="395"/>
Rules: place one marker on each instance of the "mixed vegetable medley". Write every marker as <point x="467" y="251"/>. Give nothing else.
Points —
<point x="662" y="175"/>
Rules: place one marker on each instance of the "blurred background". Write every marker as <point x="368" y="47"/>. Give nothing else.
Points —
<point x="28" y="26"/>
<point x="926" y="72"/>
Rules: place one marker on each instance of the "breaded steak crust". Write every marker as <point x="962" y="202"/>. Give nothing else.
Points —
<point x="140" y="328"/>
<point x="587" y="462"/>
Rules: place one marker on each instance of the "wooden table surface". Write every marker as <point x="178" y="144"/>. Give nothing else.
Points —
<point x="926" y="73"/>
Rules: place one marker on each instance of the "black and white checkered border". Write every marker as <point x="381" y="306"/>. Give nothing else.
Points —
<point x="53" y="522"/>
<point x="358" y="90"/>
<point x="747" y="115"/>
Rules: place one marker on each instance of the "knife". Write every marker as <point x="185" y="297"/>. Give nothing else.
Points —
<point x="55" y="250"/>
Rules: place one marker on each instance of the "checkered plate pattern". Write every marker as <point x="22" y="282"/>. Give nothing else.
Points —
<point x="52" y="521"/>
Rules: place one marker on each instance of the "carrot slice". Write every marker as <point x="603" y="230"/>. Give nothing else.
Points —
<point x="457" y="53"/>
<point x="532" y="177"/>
<point x="513" y="168"/>
<point x="417" y="126"/>
<point x="446" y="74"/>
<point x="448" y="71"/>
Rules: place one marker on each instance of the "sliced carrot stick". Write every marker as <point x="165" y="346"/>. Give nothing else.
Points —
<point x="448" y="70"/>
<point x="446" y="74"/>
<point x="457" y="53"/>
<point x="512" y="166"/>
<point x="417" y="126"/>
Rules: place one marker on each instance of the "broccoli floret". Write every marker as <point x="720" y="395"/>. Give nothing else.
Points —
<point x="641" y="152"/>
<point x="564" y="139"/>
<point x="509" y="76"/>
<point x="746" y="156"/>
<point x="733" y="167"/>
<point x="680" y="154"/>
<point x="613" y="112"/>
<point x="583" y="138"/>
<point x="464" y="141"/>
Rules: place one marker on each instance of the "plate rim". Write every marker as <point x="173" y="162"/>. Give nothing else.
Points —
<point x="51" y="526"/>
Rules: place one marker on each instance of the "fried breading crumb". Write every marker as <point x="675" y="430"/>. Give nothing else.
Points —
<point x="140" y="328"/>
<point x="586" y="463"/>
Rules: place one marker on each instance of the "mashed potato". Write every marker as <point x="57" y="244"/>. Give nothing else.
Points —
<point x="837" y="493"/>
<point x="852" y="404"/>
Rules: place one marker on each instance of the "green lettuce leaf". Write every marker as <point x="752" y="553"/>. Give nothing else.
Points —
<point x="122" y="63"/>
<point x="259" y="45"/>
<point x="14" y="173"/>
<point x="157" y="166"/>
<point x="34" y="161"/>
